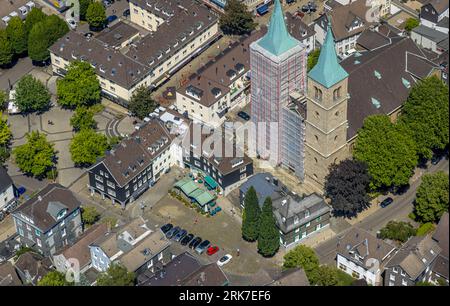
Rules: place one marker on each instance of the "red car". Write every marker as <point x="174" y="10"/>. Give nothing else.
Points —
<point x="212" y="250"/>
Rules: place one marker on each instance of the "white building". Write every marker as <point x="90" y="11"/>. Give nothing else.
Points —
<point x="6" y="190"/>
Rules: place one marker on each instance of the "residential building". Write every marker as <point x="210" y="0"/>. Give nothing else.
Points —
<point x="363" y="256"/>
<point x="119" y="35"/>
<point x="8" y="248"/>
<point x="430" y="39"/>
<point x="265" y="185"/>
<point x="291" y="277"/>
<point x="78" y="256"/>
<point x="297" y="217"/>
<point x="278" y="67"/>
<point x="304" y="33"/>
<point x="8" y="275"/>
<point x="385" y="5"/>
<point x="219" y="5"/>
<point x="132" y="244"/>
<point x="347" y="23"/>
<point x="440" y="268"/>
<point x="31" y="267"/>
<point x="412" y="262"/>
<point x="432" y="12"/>
<point x="50" y="220"/>
<point x="7" y="196"/>
<point x="208" y="275"/>
<point x="134" y="165"/>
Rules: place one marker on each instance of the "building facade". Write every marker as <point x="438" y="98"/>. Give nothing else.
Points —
<point x="7" y="196"/>
<point x="433" y="12"/>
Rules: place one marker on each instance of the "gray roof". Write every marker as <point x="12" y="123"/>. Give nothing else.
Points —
<point x="54" y="208"/>
<point x="5" y="179"/>
<point x="441" y="234"/>
<point x="415" y="255"/>
<point x="117" y="34"/>
<point x="207" y="275"/>
<point x="371" y="40"/>
<point x="8" y="275"/>
<point x="439" y="5"/>
<point x="359" y="246"/>
<point x="430" y="33"/>
<point x="441" y="266"/>
<point x="443" y="22"/>
<point x="291" y="277"/>
<point x="264" y="185"/>
<point x="291" y="207"/>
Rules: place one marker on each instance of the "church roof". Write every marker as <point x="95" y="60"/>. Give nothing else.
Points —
<point x="328" y="71"/>
<point x="277" y="40"/>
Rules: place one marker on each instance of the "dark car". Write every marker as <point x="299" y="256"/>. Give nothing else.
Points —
<point x="166" y="228"/>
<point x="126" y="13"/>
<point x="88" y="34"/>
<point x="202" y="246"/>
<point x="173" y="232"/>
<point x="180" y="235"/>
<point x="194" y="243"/>
<point x="187" y="239"/>
<point x="435" y="159"/>
<point x="111" y="18"/>
<point x="244" y="115"/>
<point x="21" y="190"/>
<point x="386" y="202"/>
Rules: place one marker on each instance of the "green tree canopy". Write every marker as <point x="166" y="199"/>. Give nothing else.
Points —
<point x="3" y="99"/>
<point x="347" y="185"/>
<point x="86" y="146"/>
<point x="425" y="113"/>
<point x="397" y="230"/>
<point x="54" y="278"/>
<point x="82" y="119"/>
<point x="38" y="43"/>
<point x="84" y="4"/>
<point x="411" y="23"/>
<point x="250" y="216"/>
<point x="31" y="95"/>
<point x="36" y="157"/>
<point x="6" y="49"/>
<point x="5" y="132"/>
<point x="301" y="257"/>
<point x="17" y="35"/>
<point x="89" y="215"/>
<point x="116" y="275"/>
<point x="237" y="19"/>
<point x="141" y="103"/>
<point x="313" y="57"/>
<point x="33" y="17"/>
<point x="324" y="276"/>
<point x="269" y="235"/>
<point x="432" y="197"/>
<point x="96" y="15"/>
<point x="79" y="87"/>
<point x="56" y="28"/>
<point x="388" y="150"/>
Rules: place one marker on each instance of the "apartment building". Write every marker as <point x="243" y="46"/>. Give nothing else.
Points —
<point x="7" y="196"/>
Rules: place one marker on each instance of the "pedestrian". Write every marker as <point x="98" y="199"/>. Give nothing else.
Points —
<point x="237" y="252"/>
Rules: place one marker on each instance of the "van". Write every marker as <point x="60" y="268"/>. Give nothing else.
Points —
<point x="12" y="107"/>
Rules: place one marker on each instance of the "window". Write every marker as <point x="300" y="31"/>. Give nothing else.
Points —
<point x="63" y="232"/>
<point x="99" y="178"/>
<point x="111" y="192"/>
<point x="21" y="232"/>
<point x="38" y="241"/>
<point x="306" y="213"/>
<point x="337" y="94"/>
<point x="99" y="186"/>
<point x="160" y="256"/>
<point x="391" y="283"/>
<point x="392" y="277"/>
<point x="243" y="169"/>
<point x="317" y="94"/>
<point x="394" y="270"/>
<point x="50" y="233"/>
<point x="28" y="228"/>
<point x="308" y="224"/>
<point x="243" y="176"/>
<point x="404" y="282"/>
<point x="296" y="219"/>
<point x="102" y="173"/>
<point x="150" y="263"/>
<point x="63" y="223"/>
<point x="37" y="232"/>
<point x="127" y="194"/>
<point x="110" y="184"/>
<point x="342" y="267"/>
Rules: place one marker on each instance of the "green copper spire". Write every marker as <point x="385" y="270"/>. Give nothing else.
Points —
<point x="327" y="71"/>
<point x="277" y="39"/>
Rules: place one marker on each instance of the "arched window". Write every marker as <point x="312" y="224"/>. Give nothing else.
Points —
<point x="337" y="94"/>
<point x="317" y="94"/>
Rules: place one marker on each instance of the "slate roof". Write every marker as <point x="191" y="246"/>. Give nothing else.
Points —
<point x="207" y="275"/>
<point x="432" y="34"/>
<point x="117" y="34"/>
<point x="32" y="265"/>
<point x="8" y="275"/>
<point x="291" y="277"/>
<point x="441" y="266"/>
<point x="415" y="255"/>
<point x="297" y="28"/>
<point x="391" y="64"/>
<point x="5" y="179"/>
<point x="264" y="185"/>
<point x="441" y="234"/>
<point x="371" y="40"/>
<point x="439" y="5"/>
<point x="43" y="207"/>
<point x="443" y="23"/>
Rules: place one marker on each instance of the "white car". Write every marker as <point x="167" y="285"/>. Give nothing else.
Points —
<point x="224" y="260"/>
<point x="72" y="23"/>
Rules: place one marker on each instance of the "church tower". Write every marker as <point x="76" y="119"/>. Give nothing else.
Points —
<point x="326" y="119"/>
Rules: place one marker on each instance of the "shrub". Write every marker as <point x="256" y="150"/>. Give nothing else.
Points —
<point x="425" y="228"/>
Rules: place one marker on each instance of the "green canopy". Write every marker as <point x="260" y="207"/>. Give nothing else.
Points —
<point x="187" y="186"/>
<point x="210" y="181"/>
<point x="202" y="197"/>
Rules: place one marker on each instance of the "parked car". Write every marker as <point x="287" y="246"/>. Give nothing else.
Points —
<point x="180" y="235"/>
<point x="224" y="260"/>
<point x="212" y="250"/>
<point x="386" y="202"/>
<point x="435" y="159"/>
<point x="111" y="18"/>
<point x="187" y="239"/>
<point x="244" y="115"/>
<point x="202" y="247"/>
<point x="72" y="23"/>
<point x="166" y="228"/>
<point x="88" y="34"/>
<point x="173" y="232"/>
<point x="126" y="13"/>
<point x="195" y="242"/>
<point x="21" y="190"/>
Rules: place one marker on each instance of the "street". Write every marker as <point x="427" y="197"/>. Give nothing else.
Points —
<point x="398" y="210"/>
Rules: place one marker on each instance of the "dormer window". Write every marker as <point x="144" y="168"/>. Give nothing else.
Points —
<point x="168" y="50"/>
<point x="296" y="219"/>
<point x="61" y="214"/>
<point x="216" y="92"/>
<point x="160" y="55"/>
<point x="307" y="213"/>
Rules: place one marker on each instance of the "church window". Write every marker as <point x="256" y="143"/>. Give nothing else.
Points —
<point x="337" y="94"/>
<point x="317" y="94"/>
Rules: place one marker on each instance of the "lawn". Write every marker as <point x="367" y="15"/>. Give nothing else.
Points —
<point x="344" y="278"/>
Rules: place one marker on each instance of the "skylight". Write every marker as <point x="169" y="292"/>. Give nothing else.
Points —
<point x="357" y="62"/>
<point x="406" y="83"/>
<point x="377" y="74"/>
<point x="376" y="103"/>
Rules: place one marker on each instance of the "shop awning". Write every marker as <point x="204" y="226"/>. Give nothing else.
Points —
<point x="211" y="182"/>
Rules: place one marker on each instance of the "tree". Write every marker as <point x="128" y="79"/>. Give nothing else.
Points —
<point x="96" y="15"/>
<point x="86" y="146"/>
<point x="236" y="20"/>
<point x="17" y="35"/>
<point x="116" y="275"/>
<point x="82" y="119"/>
<point x="36" y="157"/>
<point x="432" y="197"/>
<point x="56" y="28"/>
<point x="84" y="4"/>
<point x="388" y="150"/>
<point x="347" y="185"/>
<point x="250" y="216"/>
<point x="5" y="132"/>
<point x="313" y="57"/>
<point x="400" y="231"/>
<point x="54" y="278"/>
<point x="6" y="49"/>
<point x="33" y="17"/>
<point x="268" y="236"/>
<point x="411" y="23"/>
<point x="302" y="257"/>
<point x="426" y="114"/>
<point x="3" y="99"/>
<point x="31" y="95"/>
<point x="324" y="276"/>
<point x="79" y="87"/>
<point x="89" y="215"/>
<point x="38" y="43"/>
<point x="141" y="102"/>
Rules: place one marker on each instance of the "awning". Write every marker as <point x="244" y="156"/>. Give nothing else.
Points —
<point x="211" y="182"/>
<point x="187" y="186"/>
